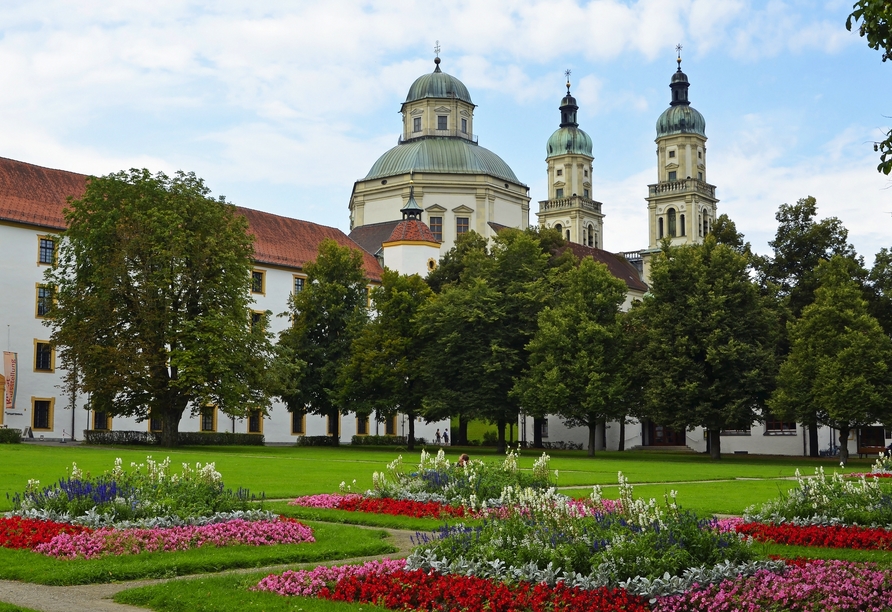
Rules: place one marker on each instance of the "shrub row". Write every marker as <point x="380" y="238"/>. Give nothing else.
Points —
<point x="186" y="438"/>
<point x="316" y="441"/>
<point x="10" y="436"/>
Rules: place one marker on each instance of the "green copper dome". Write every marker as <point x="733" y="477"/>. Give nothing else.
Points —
<point x="441" y="155"/>
<point x="569" y="140"/>
<point x="680" y="117"/>
<point x="438" y="84"/>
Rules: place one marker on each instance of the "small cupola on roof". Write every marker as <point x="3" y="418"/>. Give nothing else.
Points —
<point x="568" y="139"/>
<point x="438" y="84"/>
<point x="680" y="117"/>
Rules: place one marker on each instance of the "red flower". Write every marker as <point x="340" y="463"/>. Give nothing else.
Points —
<point x="837" y="536"/>
<point x="18" y="532"/>
<point x="400" y="507"/>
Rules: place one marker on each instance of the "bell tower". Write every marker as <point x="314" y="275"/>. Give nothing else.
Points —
<point x="681" y="205"/>
<point x="570" y="207"/>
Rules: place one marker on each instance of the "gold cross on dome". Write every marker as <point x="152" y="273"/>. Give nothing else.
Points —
<point x="437" y="49"/>
<point x="678" y="49"/>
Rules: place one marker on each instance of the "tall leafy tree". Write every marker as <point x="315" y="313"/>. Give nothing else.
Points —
<point x="575" y="355"/>
<point x="710" y="341"/>
<point x="384" y="373"/>
<point x="839" y="365"/>
<point x="477" y="331"/>
<point x="326" y="316"/>
<point x="152" y="303"/>
<point x="801" y="243"/>
<point x="879" y="289"/>
<point x="874" y="19"/>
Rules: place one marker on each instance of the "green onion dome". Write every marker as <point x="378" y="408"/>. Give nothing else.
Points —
<point x="680" y="117"/>
<point x="569" y="140"/>
<point x="438" y="84"/>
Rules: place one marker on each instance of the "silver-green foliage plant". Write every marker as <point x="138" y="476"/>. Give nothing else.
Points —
<point x="639" y="538"/>
<point x="473" y="484"/>
<point x="145" y="491"/>
<point x="830" y="500"/>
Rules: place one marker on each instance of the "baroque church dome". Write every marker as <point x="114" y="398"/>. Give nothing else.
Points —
<point x="441" y="155"/>
<point x="680" y="117"/>
<point x="438" y="84"/>
<point x="568" y="138"/>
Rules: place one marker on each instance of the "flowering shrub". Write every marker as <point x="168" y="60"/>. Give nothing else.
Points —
<point x="829" y="500"/>
<point x="828" y="536"/>
<point x="398" y="507"/>
<point x="387" y="584"/>
<point x="148" y="489"/>
<point x="471" y="485"/>
<point x="815" y="586"/>
<point x="18" y="532"/>
<point x="106" y="541"/>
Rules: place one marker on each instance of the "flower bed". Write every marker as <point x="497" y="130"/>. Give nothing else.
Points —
<point x="387" y="584"/>
<point x="814" y="586"/>
<point x="379" y="505"/>
<point x="25" y="533"/>
<point x="827" y="536"/>
<point x="106" y="541"/>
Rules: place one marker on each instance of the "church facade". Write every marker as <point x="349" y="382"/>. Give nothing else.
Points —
<point x="417" y="198"/>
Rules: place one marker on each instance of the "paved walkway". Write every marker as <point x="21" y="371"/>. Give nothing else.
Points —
<point x="97" y="597"/>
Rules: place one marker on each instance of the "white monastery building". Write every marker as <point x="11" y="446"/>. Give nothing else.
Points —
<point x="406" y="213"/>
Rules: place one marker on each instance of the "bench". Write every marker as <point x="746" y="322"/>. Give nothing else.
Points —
<point x="873" y="451"/>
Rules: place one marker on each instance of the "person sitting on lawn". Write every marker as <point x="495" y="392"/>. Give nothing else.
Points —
<point x="463" y="460"/>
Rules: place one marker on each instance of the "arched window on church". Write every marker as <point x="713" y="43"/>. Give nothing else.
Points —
<point x="671" y="215"/>
<point x="559" y="228"/>
<point x="681" y="221"/>
<point x="591" y="235"/>
<point x="660" y="228"/>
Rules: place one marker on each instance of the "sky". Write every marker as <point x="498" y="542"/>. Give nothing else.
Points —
<point x="281" y="105"/>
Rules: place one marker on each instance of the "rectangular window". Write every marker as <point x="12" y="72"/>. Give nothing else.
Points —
<point x="776" y="427"/>
<point x="464" y="126"/>
<point x="699" y="154"/>
<point x="209" y="419"/>
<point x="298" y="423"/>
<point x="671" y="153"/>
<point x="436" y="225"/>
<point x="155" y="424"/>
<point x="585" y="172"/>
<point x="544" y="428"/>
<point x="298" y="284"/>
<point x="44" y="300"/>
<point x="43" y="356"/>
<point x="559" y="172"/>
<point x="362" y="424"/>
<point x="256" y="318"/>
<point x="333" y="425"/>
<point x="558" y="193"/>
<point x="390" y="425"/>
<point x="441" y="122"/>
<point x="585" y="193"/>
<point x="101" y="421"/>
<point x="416" y="124"/>
<point x="699" y="176"/>
<point x="672" y="175"/>
<point x="42" y="412"/>
<point x="257" y="284"/>
<point x="255" y="422"/>
<point x="46" y="250"/>
<point x="462" y="225"/>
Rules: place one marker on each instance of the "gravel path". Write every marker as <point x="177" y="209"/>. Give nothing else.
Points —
<point x="97" y="597"/>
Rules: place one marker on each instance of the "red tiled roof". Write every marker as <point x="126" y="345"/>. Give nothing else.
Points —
<point x="617" y="264"/>
<point x="412" y="229"/>
<point x="36" y="196"/>
<point x="370" y="237"/>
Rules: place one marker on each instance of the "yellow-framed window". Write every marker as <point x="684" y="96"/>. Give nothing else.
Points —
<point x="258" y="281"/>
<point x="44" y="356"/>
<point x="42" y="409"/>
<point x="208" y="419"/>
<point x="362" y="424"/>
<point x="255" y="421"/>
<point x="43" y="301"/>
<point x="46" y="250"/>
<point x="102" y="420"/>
<point x="298" y="423"/>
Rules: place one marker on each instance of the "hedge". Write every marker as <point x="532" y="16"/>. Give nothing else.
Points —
<point x="185" y="438"/>
<point x="10" y="436"/>
<point x="317" y="441"/>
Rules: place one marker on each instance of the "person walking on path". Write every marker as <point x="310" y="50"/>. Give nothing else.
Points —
<point x="437" y="436"/>
<point x="446" y="437"/>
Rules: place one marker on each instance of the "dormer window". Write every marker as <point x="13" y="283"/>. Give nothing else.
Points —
<point x="441" y="122"/>
<point x="416" y="124"/>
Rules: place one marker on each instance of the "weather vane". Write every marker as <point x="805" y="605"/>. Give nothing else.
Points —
<point x="567" y="74"/>
<point x="678" y="49"/>
<point x="437" y="49"/>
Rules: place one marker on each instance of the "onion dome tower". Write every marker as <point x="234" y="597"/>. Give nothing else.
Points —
<point x="570" y="208"/>
<point x="459" y="185"/>
<point x="681" y="204"/>
<point x="412" y="248"/>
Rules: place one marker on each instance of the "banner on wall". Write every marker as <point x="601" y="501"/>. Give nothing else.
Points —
<point x="10" y="367"/>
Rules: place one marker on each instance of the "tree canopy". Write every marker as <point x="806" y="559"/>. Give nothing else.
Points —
<point x="710" y="341"/>
<point x="152" y="311"/>
<point x="327" y="315"/>
<point x="838" y="370"/>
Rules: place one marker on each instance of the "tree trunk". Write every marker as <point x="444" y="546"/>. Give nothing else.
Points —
<point x="334" y="417"/>
<point x="844" y="444"/>
<point x="410" y="440"/>
<point x="715" y="444"/>
<point x="592" y="435"/>
<point x="500" y="426"/>
<point x="462" y="431"/>
<point x="170" y="428"/>
<point x="537" y="431"/>
<point x="622" y="434"/>
<point x="813" y="444"/>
